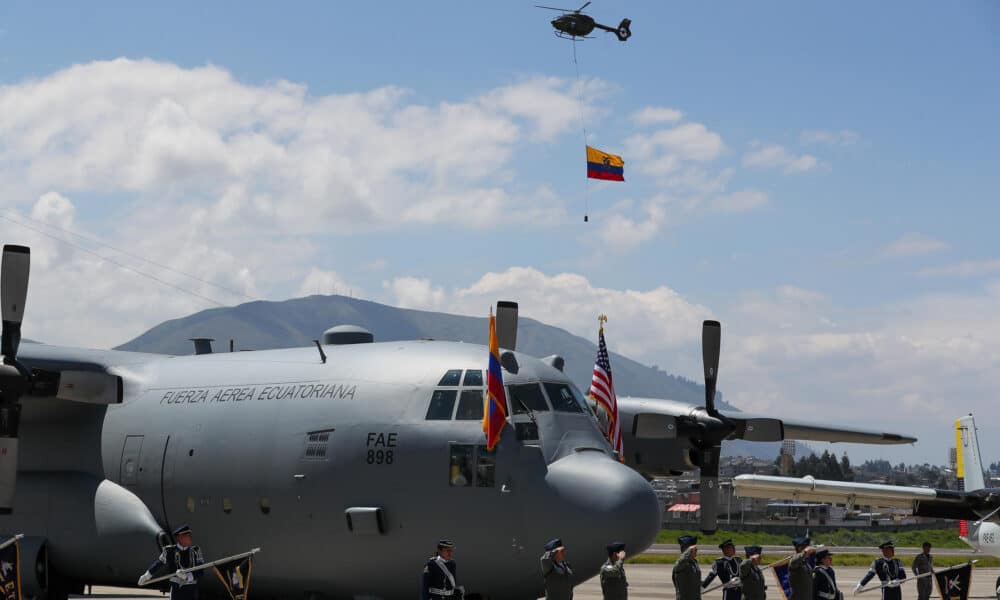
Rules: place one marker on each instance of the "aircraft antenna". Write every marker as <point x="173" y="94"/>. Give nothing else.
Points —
<point x="322" y="355"/>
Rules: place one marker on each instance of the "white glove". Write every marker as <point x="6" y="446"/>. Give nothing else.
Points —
<point x="184" y="576"/>
<point x="857" y="588"/>
<point x="145" y="577"/>
<point x="732" y="583"/>
<point x="893" y="583"/>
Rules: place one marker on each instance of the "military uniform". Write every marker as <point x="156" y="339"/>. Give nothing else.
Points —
<point x="558" y="575"/>
<point x="825" y="580"/>
<point x="614" y="585"/>
<point x="175" y="557"/>
<point x="924" y="563"/>
<point x="440" y="577"/>
<point x="888" y="570"/>
<point x="800" y="567"/>
<point x="687" y="573"/>
<point x="727" y="569"/>
<point x="751" y="577"/>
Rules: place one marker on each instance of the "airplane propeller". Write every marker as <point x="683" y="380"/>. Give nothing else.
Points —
<point x="15" y="379"/>
<point x="712" y="431"/>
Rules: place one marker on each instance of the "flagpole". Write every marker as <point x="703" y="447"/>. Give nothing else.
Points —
<point x="922" y="575"/>
<point x="204" y="566"/>
<point x="11" y="541"/>
<point x="764" y="568"/>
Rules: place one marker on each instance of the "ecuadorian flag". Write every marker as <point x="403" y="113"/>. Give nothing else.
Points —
<point x="495" y="415"/>
<point x="601" y="165"/>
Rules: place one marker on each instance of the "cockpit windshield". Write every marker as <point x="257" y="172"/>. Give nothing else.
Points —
<point x="526" y="397"/>
<point x="565" y="398"/>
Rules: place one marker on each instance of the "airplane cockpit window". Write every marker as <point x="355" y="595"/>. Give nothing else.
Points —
<point x="460" y="473"/>
<point x="442" y="405"/>
<point x="470" y="405"/>
<point x="473" y="377"/>
<point x="451" y="378"/>
<point x="562" y="398"/>
<point x="471" y="465"/>
<point x="527" y="396"/>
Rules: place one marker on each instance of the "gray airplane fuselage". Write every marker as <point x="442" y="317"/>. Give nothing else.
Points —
<point x="334" y="470"/>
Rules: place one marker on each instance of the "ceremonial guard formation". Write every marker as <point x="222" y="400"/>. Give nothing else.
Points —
<point x="751" y="577"/>
<point x="557" y="572"/>
<point x="440" y="580"/>
<point x="175" y="557"/>
<point x="889" y="570"/>
<point x="824" y="579"/>
<point x="614" y="585"/>
<point x="800" y="570"/>
<point x="924" y="563"/>
<point x="687" y="574"/>
<point x="727" y="569"/>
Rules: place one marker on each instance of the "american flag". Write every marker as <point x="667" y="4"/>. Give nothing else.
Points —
<point x="602" y="390"/>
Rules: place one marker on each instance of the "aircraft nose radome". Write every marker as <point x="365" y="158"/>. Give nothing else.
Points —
<point x="604" y="501"/>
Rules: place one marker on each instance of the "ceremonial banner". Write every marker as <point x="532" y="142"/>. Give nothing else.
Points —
<point x="495" y="411"/>
<point x="604" y="165"/>
<point x="781" y="575"/>
<point x="235" y="576"/>
<point x="955" y="583"/>
<point x="10" y="570"/>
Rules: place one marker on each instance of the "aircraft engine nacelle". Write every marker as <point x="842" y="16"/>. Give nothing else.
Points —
<point x="34" y="567"/>
<point x="90" y="525"/>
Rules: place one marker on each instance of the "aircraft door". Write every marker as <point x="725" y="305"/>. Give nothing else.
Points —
<point x="142" y="469"/>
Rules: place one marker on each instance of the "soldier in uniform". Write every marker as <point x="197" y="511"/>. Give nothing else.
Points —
<point x="751" y="577"/>
<point x="557" y="572"/>
<point x="800" y="576"/>
<point x="440" y="575"/>
<point x="687" y="574"/>
<point x="824" y="579"/>
<point x="727" y="568"/>
<point x="924" y="563"/>
<point x="890" y="572"/>
<point x="181" y="555"/>
<point x="614" y="585"/>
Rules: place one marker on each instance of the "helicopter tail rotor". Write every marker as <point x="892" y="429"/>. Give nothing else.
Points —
<point x="624" y="30"/>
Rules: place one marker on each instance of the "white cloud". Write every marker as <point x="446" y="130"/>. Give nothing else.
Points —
<point x="911" y="244"/>
<point x="775" y="156"/>
<point x="963" y="269"/>
<point x="647" y="322"/>
<point x="842" y="137"/>
<point x="623" y="233"/>
<point x="273" y="156"/>
<point x="664" y="151"/>
<point x="654" y="115"/>
<point x="321" y="282"/>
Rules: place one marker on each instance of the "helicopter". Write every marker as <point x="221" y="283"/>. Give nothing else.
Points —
<point x="575" y="24"/>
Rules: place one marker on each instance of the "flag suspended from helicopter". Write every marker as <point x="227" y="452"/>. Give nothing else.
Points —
<point x="603" y="165"/>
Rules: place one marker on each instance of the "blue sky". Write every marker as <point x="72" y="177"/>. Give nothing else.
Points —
<point x="820" y="177"/>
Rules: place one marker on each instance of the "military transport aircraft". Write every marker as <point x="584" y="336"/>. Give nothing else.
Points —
<point x="344" y="462"/>
<point x="972" y="502"/>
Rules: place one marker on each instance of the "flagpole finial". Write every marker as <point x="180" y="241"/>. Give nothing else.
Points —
<point x="602" y="319"/>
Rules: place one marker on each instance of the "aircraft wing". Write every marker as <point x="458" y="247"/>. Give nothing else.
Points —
<point x="928" y="502"/>
<point x="824" y="432"/>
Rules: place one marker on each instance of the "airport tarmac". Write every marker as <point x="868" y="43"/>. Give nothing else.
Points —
<point x="653" y="582"/>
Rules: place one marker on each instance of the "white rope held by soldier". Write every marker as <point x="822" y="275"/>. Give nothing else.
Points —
<point x="184" y="572"/>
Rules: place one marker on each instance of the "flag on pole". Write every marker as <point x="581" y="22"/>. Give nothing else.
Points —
<point x="495" y="414"/>
<point x="10" y="570"/>
<point x="602" y="390"/>
<point x="603" y="165"/>
<point x="784" y="584"/>
<point x="955" y="583"/>
<point x="235" y="576"/>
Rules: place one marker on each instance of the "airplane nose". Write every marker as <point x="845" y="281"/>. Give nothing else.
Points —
<point x="611" y="501"/>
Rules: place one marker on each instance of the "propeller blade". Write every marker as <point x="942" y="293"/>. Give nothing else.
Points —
<point x="507" y="324"/>
<point x="711" y="343"/>
<point x="566" y="10"/>
<point x="709" y="488"/>
<point x="582" y="7"/>
<point x="762" y="430"/>
<point x="14" y="270"/>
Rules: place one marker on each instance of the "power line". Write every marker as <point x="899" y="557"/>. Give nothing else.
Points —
<point x="130" y="254"/>
<point x="115" y="262"/>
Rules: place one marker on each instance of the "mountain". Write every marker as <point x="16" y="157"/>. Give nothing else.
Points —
<point x="260" y="325"/>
